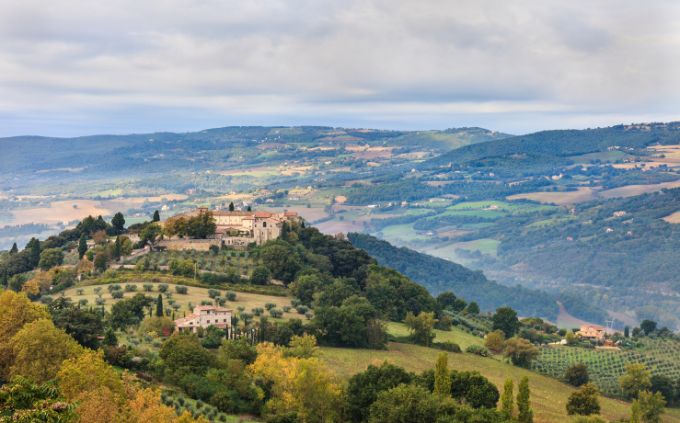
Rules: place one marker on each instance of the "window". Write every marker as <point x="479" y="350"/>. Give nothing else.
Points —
<point x="208" y="321"/>
<point x="264" y="224"/>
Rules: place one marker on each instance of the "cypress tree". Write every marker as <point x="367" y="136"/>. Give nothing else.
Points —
<point x="507" y="401"/>
<point x="442" y="378"/>
<point x="14" y="249"/>
<point x="116" y="248"/>
<point x="156" y="217"/>
<point x="33" y="247"/>
<point x="159" y="306"/>
<point x="249" y="208"/>
<point x="82" y="246"/>
<point x="526" y="415"/>
<point x="231" y="206"/>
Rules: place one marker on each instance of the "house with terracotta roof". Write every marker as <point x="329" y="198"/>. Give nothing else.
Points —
<point x="204" y="316"/>
<point x="592" y="332"/>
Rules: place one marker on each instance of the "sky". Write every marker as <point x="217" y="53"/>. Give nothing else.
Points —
<point x="77" y="67"/>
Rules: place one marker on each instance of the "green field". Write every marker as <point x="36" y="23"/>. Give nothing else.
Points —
<point x="225" y="261"/>
<point x="606" y="366"/>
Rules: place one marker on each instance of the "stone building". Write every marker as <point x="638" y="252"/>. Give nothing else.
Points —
<point x="204" y="316"/>
<point x="235" y="229"/>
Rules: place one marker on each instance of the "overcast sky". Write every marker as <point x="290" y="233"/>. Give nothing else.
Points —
<point x="74" y="67"/>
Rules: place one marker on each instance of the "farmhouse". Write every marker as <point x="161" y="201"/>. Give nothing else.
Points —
<point x="593" y="332"/>
<point x="235" y="229"/>
<point x="204" y="316"/>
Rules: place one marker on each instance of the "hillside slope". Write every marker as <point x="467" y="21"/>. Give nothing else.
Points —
<point x="439" y="275"/>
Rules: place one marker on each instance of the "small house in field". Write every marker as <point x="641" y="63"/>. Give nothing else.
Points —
<point x="204" y="316"/>
<point x="592" y="332"/>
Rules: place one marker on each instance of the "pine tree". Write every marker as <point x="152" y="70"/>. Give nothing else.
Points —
<point x="526" y="415"/>
<point x="442" y="378"/>
<point x="159" y="306"/>
<point x="82" y="246"/>
<point x="14" y="249"/>
<point x="507" y="400"/>
<point x="118" y="223"/>
<point x="249" y="209"/>
<point x="231" y="206"/>
<point x="156" y="217"/>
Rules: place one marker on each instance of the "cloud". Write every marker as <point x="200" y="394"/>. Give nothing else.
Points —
<point x="77" y="66"/>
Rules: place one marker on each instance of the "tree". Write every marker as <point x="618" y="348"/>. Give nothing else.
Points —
<point x="649" y="407"/>
<point x="577" y="374"/>
<point x="281" y="259"/>
<point x="636" y="379"/>
<point x="156" y="216"/>
<point x="520" y="351"/>
<point x="584" y="401"/>
<point x="421" y="327"/>
<point x="507" y="400"/>
<point x="116" y="251"/>
<point x="88" y="372"/>
<point x="39" y="348"/>
<point x="101" y="262"/>
<point x="16" y="310"/>
<point x="129" y="312"/>
<point x="404" y="404"/>
<point x="110" y="338"/>
<point x="299" y="386"/>
<point x="82" y="246"/>
<point x="260" y="276"/>
<point x="302" y="346"/>
<point x="33" y="248"/>
<point x="648" y="326"/>
<point x="23" y="401"/>
<point x="159" y="306"/>
<point x="118" y="223"/>
<point x="14" y="249"/>
<point x="363" y="388"/>
<point x="231" y="207"/>
<point x="236" y="349"/>
<point x="664" y="385"/>
<point x="50" y="258"/>
<point x="525" y="414"/>
<point x="505" y="319"/>
<point x="474" y="389"/>
<point x="150" y="233"/>
<point x="183" y="354"/>
<point x="83" y="325"/>
<point x="495" y="341"/>
<point x="442" y="378"/>
<point x="472" y="308"/>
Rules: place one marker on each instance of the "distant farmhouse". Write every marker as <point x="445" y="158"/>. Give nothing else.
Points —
<point x="204" y="316"/>
<point x="235" y="229"/>
<point x="592" y="332"/>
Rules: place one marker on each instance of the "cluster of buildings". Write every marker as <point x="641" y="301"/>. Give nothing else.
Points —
<point x="235" y="229"/>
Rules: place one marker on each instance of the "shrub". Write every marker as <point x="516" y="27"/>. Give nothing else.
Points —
<point x="269" y="306"/>
<point x="301" y="309"/>
<point x="213" y="293"/>
<point x="275" y="313"/>
<point x="80" y="291"/>
<point x="577" y="375"/>
<point x="231" y="296"/>
<point x="257" y="311"/>
<point x="477" y="350"/>
<point x="286" y="308"/>
<point x="181" y="289"/>
<point x="147" y="287"/>
<point x="100" y="301"/>
<point x="447" y="346"/>
<point x="163" y="287"/>
<point x="114" y="287"/>
<point x="117" y="294"/>
<point x="82" y="302"/>
<point x="130" y="288"/>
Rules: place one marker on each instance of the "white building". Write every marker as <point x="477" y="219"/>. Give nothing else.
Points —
<point x="204" y="316"/>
